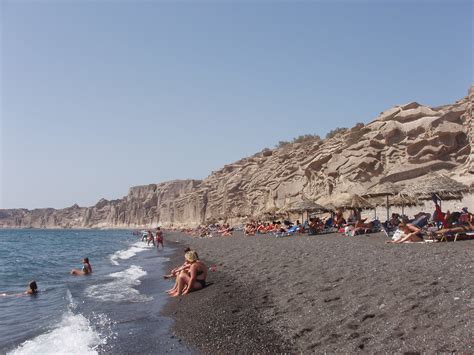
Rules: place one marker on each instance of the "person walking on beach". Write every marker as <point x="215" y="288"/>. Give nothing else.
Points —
<point x="159" y="238"/>
<point x="86" y="268"/>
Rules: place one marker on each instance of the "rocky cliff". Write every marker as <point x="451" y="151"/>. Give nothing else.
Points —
<point x="401" y="144"/>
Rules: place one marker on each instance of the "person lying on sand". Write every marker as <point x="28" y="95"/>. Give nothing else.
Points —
<point x="411" y="234"/>
<point x="360" y="227"/>
<point x="193" y="279"/>
<point x="86" y="268"/>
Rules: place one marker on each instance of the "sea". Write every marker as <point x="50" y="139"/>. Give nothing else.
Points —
<point x="115" y="310"/>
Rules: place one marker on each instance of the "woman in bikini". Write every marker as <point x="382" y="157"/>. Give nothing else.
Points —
<point x="193" y="279"/>
<point x="86" y="268"/>
<point x="411" y="234"/>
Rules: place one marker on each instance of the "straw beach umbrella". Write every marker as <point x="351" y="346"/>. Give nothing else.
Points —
<point x="348" y="201"/>
<point x="271" y="213"/>
<point x="305" y="206"/>
<point x="384" y="189"/>
<point x="443" y="186"/>
<point x="403" y="201"/>
<point x="353" y="201"/>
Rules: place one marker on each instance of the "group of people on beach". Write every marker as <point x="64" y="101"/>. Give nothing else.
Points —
<point x="156" y="240"/>
<point x="432" y="225"/>
<point x="213" y="229"/>
<point x="400" y="227"/>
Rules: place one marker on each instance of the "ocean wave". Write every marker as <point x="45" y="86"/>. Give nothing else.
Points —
<point x="128" y="253"/>
<point x="73" y="335"/>
<point x="120" y="289"/>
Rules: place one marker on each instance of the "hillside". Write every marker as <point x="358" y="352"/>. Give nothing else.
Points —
<point x="401" y="144"/>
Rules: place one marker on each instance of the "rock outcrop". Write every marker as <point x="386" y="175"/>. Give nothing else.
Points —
<point x="401" y="144"/>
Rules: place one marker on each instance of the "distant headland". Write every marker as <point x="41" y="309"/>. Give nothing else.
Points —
<point x="402" y="144"/>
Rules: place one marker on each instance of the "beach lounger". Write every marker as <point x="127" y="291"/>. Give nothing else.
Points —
<point x="464" y="236"/>
<point x="455" y="236"/>
<point x="288" y="233"/>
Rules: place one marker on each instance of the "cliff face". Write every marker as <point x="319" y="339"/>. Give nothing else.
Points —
<point x="401" y="144"/>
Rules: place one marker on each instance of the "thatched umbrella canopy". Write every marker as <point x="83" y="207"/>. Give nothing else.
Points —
<point x="305" y="206"/>
<point x="384" y="189"/>
<point x="353" y="201"/>
<point x="443" y="186"/>
<point x="403" y="200"/>
<point x="271" y="213"/>
<point x="399" y="201"/>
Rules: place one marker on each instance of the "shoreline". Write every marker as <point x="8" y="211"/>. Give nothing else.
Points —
<point x="326" y="293"/>
<point x="214" y="320"/>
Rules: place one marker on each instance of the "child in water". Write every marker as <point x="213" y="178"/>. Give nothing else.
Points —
<point x="86" y="268"/>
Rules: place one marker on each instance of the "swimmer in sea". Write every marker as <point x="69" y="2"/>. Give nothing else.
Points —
<point x="86" y="268"/>
<point x="32" y="290"/>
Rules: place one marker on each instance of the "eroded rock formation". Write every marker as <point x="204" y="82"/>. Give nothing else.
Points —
<point x="401" y="144"/>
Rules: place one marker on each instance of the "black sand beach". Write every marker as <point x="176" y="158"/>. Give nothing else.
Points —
<point x="327" y="294"/>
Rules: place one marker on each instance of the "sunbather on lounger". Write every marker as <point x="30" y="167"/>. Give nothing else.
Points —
<point x="411" y="234"/>
<point x="361" y="227"/>
<point x="458" y="229"/>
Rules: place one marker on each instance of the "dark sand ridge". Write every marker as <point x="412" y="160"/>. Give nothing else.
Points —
<point x="328" y="293"/>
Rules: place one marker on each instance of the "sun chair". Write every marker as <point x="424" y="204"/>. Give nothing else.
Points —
<point x="292" y="230"/>
<point x="464" y="235"/>
<point x="446" y="237"/>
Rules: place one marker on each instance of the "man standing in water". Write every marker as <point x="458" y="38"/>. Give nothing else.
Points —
<point x="159" y="238"/>
<point x="150" y="238"/>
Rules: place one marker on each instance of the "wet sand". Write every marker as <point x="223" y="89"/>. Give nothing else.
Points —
<point x="327" y="293"/>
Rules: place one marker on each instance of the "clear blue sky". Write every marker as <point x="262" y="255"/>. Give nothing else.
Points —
<point x="98" y="96"/>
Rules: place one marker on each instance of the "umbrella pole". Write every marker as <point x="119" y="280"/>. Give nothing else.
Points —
<point x="388" y="209"/>
<point x="375" y="212"/>
<point x="403" y="207"/>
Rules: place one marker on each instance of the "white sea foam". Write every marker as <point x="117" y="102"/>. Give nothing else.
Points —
<point x="120" y="289"/>
<point x="130" y="252"/>
<point x="73" y="335"/>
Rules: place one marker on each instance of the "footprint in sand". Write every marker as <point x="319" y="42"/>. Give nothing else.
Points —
<point x="353" y="325"/>
<point x="367" y="316"/>
<point x="327" y="300"/>
<point x="354" y="335"/>
<point x="302" y="332"/>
